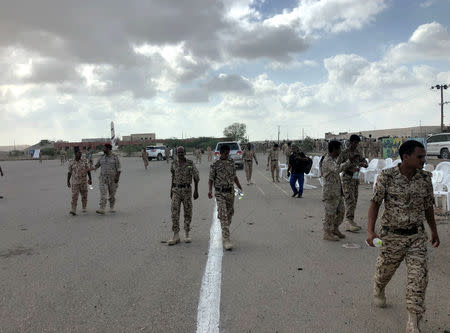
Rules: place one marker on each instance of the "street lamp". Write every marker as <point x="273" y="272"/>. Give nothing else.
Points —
<point x="441" y="87"/>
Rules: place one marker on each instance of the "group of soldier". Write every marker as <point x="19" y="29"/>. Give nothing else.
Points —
<point x="406" y="191"/>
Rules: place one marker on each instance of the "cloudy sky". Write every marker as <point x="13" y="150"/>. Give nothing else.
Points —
<point x="193" y="67"/>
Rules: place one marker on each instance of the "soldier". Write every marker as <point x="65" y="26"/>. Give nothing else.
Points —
<point x="248" y="157"/>
<point x="183" y="171"/>
<point x="209" y="153"/>
<point x="167" y="154"/>
<point x="144" y="156"/>
<point x="288" y="152"/>
<point x="332" y="192"/>
<point x="199" y="155"/>
<point x="408" y="198"/>
<point x="89" y="157"/>
<point x="272" y="159"/>
<point x="264" y="148"/>
<point x="62" y="156"/>
<point x="222" y="174"/>
<point x="1" y="173"/>
<point x="78" y="169"/>
<point x="109" y="178"/>
<point x="350" y="180"/>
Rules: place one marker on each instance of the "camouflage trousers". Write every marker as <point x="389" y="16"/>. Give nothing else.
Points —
<point x="79" y="189"/>
<point x="107" y="185"/>
<point x="225" y="211"/>
<point x="167" y="158"/>
<point x="334" y="213"/>
<point x="275" y="168"/>
<point x="412" y="249"/>
<point x="350" y="189"/>
<point x="181" y="195"/>
<point x="198" y="159"/>
<point x="145" y="162"/>
<point x="248" y="166"/>
<point x="210" y="157"/>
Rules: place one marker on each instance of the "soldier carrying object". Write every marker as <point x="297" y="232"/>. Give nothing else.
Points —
<point x="248" y="157"/>
<point x="78" y="170"/>
<point x="109" y="178"/>
<point x="272" y="159"/>
<point x="183" y="172"/>
<point x="144" y="156"/>
<point x="222" y="175"/>
<point x="407" y="192"/>
<point x="350" y="180"/>
<point x="332" y="192"/>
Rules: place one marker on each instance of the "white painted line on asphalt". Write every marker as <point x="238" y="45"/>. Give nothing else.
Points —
<point x="208" y="316"/>
<point x="274" y="183"/>
<point x="260" y="189"/>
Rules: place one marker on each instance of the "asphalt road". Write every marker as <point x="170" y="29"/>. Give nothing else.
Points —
<point x="112" y="273"/>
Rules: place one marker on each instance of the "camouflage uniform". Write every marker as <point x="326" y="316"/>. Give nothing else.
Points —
<point x="349" y="185"/>
<point x="222" y="174"/>
<point x="79" y="170"/>
<point x="167" y="154"/>
<point x="62" y="156"/>
<point x="248" y="156"/>
<point x="210" y="154"/>
<point x="332" y="194"/>
<point x="404" y="204"/>
<point x="199" y="156"/>
<point x="274" y="167"/>
<point x="182" y="176"/>
<point x="144" y="156"/>
<point x="110" y="166"/>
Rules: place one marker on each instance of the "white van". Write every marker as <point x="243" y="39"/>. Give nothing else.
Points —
<point x="439" y="145"/>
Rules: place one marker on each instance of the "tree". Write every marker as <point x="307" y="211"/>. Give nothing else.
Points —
<point x="235" y="131"/>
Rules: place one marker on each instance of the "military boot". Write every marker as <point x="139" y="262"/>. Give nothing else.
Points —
<point x="337" y="232"/>
<point x="227" y="244"/>
<point x="112" y="209"/>
<point x="101" y="210"/>
<point x="328" y="235"/>
<point x="351" y="226"/>
<point x="175" y="239"/>
<point x="187" y="239"/>
<point x="412" y="325"/>
<point x="379" y="298"/>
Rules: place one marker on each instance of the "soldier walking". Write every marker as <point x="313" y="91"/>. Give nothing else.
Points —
<point x="222" y="175"/>
<point x="62" y="156"/>
<point x="209" y="153"/>
<point x="183" y="172"/>
<point x="248" y="157"/>
<point x="167" y="154"/>
<point x="108" y="179"/>
<point x="144" y="156"/>
<point x="350" y="161"/>
<point x="78" y="170"/>
<point x="332" y="192"/>
<point x="408" y="198"/>
<point x="272" y="159"/>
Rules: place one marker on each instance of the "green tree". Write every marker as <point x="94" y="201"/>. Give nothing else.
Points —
<point x="307" y="145"/>
<point x="235" y="131"/>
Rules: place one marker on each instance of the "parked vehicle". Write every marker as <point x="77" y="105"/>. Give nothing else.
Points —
<point x="439" y="145"/>
<point x="157" y="152"/>
<point x="235" y="153"/>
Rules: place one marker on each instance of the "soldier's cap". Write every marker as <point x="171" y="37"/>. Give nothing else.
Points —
<point x="108" y="145"/>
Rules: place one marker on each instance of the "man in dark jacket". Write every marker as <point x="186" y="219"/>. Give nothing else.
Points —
<point x="298" y="165"/>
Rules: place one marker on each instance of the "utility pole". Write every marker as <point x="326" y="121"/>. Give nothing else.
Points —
<point x="441" y="87"/>
<point x="278" y="134"/>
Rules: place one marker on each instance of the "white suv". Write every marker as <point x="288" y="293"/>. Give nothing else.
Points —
<point x="439" y="145"/>
<point x="157" y="152"/>
<point x="235" y="153"/>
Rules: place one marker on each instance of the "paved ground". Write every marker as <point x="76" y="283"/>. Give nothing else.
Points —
<point x="112" y="273"/>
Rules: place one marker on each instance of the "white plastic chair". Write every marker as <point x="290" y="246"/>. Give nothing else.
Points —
<point x="443" y="189"/>
<point x="283" y="167"/>
<point x="428" y="167"/>
<point x="314" y="172"/>
<point x="370" y="171"/>
<point x="375" y="180"/>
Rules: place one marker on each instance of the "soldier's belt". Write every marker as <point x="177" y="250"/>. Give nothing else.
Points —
<point x="181" y="185"/>
<point x="403" y="231"/>
<point x="223" y="189"/>
<point x="247" y="160"/>
<point x="274" y="160"/>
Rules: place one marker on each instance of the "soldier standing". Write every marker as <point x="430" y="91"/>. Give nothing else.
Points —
<point x="248" y="157"/>
<point x="183" y="171"/>
<point x="332" y="192"/>
<point x="78" y="170"/>
<point x="62" y="156"/>
<point x="272" y="159"/>
<point x="222" y="175"/>
<point x="408" y="198"/>
<point x="1" y="173"/>
<point x="144" y="156"/>
<point x="109" y="178"/>
<point x="199" y="155"/>
<point x="167" y="154"/>
<point x="350" y="180"/>
<point x="209" y="152"/>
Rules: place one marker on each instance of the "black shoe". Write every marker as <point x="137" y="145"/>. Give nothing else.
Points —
<point x="72" y="213"/>
<point x="300" y="196"/>
<point x="294" y="195"/>
<point x="1" y="196"/>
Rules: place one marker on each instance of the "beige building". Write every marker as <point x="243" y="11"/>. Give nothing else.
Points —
<point x="411" y="132"/>
<point x="139" y="137"/>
